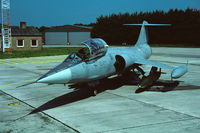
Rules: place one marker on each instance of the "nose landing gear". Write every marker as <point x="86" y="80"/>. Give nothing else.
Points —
<point x="93" y="92"/>
<point x="92" y="87"/>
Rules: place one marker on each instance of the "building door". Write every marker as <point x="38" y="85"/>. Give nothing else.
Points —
<point x="56" y="38"/>
<point x="75" y="38"/>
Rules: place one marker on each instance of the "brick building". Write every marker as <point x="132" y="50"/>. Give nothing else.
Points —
<point x="24" y="37"/>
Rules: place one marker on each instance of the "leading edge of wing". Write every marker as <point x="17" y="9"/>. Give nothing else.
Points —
<point x="154" y="64"/>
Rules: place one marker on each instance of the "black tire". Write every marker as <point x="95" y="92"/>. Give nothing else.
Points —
<point x="93" y="92"/>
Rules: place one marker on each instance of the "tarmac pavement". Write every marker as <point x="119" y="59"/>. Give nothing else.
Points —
<point x="116" y="109"/>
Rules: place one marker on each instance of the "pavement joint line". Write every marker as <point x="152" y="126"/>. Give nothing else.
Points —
<point x="149" y="125"/>
<point x="25" y="81"/>
<point x="155" y="105"/>
<point x="38" y="73"/>
<point x="41" y="112"/>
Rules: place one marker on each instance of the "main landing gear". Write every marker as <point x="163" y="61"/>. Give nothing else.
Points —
<point x="147" y="81"/>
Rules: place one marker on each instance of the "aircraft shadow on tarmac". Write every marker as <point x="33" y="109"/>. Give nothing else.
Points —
<point x="82" y="91"/>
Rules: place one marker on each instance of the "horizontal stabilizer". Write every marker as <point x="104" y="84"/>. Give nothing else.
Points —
<point x="149" y="24"/>
<point x="143" y="37"/>
<point x="145" y="23"/>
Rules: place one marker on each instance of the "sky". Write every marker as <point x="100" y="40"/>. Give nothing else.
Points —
<point x="61" y="12"/>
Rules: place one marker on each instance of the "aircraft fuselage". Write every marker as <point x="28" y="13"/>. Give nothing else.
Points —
<point x="100" y="68"/>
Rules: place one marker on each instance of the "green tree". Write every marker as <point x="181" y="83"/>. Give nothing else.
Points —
<point x="185" y="27"/>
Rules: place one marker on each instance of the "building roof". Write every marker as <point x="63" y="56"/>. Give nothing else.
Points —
<point x="69" y="28"/>
<point x="28" y="31"/>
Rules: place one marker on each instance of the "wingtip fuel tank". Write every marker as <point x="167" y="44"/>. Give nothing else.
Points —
<point x="179" y="71"/>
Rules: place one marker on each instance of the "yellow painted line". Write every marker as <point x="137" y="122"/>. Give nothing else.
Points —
<point x="14" y="104"/>
<point x="5" y="60"/>
<point x="5" y="63"/>
<point x="21" y="82"/>
<point x="16" y="61"/>
<point x="27" y="61"/>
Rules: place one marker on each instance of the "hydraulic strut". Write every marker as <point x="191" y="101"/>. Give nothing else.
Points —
<point x="147" y="81"/>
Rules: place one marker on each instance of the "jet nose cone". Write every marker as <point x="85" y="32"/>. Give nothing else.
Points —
<point x="60" y="77"/>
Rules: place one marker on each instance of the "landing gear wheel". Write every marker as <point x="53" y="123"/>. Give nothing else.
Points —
<point x="94" y="92"/>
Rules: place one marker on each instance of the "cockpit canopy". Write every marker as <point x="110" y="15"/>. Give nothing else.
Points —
<point x="96" y="46"/>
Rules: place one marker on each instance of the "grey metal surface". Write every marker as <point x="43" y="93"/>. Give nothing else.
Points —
<point x="77" y="37"/>
<point x="52" y="38"/>
<point x="60" y="35"/>
<point x="60" y="38"/>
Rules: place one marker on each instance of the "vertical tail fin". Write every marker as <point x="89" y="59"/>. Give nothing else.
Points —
<point x="143" y="36"/>
<point x="142" y="42"/>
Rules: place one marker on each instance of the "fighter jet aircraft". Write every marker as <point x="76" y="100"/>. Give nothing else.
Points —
<point x="97" y="61"/>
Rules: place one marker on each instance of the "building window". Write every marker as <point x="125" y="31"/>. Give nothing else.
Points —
<point x="34" y="43"/>
<point x="20" y="43"/>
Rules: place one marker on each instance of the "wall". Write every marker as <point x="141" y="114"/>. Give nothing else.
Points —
<point x="27" y="43"/>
